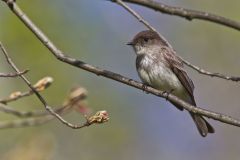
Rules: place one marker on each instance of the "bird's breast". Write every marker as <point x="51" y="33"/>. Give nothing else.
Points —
<point x="156" y="73"/>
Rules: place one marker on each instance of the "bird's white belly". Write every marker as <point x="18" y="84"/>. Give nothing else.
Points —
<point x="162" y="78"/>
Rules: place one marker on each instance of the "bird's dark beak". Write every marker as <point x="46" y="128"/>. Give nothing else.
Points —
<point x="129" y="43"/>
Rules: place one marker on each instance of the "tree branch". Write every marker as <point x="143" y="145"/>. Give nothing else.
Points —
<point x="111" y="75"/>
<point x="207" y="73"/>
<point x="26" y="122"/>
<point x="41" y="85"/>
<point x="140" y="19"/>
<point x="33" y="118"/>
<point x="74" y="100"/>
<point x="24" y="114"/>
<point x="99" y="117"/>
<point x="189" y="14"/>
<point x="13" y="75"/>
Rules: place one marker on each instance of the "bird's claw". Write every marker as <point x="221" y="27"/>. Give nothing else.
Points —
<point x="167" y="93"/>
<point x="144" y="87"/>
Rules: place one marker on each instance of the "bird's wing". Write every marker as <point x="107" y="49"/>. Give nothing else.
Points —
<point x="177" y="67"/>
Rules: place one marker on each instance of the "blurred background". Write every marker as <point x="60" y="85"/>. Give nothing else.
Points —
<point x="141" y="126"/>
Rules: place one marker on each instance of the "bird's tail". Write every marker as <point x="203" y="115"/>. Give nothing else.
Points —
<point x="202" y="125"/>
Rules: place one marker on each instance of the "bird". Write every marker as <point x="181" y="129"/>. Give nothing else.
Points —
<point x="159" y="66"/>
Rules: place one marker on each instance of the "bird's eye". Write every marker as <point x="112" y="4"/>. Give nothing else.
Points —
<point x="145" y="39"/>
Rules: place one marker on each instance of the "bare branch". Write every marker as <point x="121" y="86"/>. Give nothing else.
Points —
<point x="47" y="107"/>
<point x="41" y="85"/>
<point x="12" y="75"/>
<point x="98" y="118"/>
<point x="140" y="19"/>
<point x="74" y="99"/>
<point x="15" y="96"/>
<point x="204" y="72"/>
<point x="10" y="110"/>
<point x="114" y="76"/>
<point x="26" y="122"/>
<point x="189" y="14"/>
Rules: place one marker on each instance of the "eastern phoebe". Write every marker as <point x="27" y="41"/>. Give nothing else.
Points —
<point x="158" y="66"/>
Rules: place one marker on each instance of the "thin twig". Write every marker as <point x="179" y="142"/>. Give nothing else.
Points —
<point x="47" y="107"/>
<point x="41" y="85"/>
<point x="204" y="72"/>
<point x="26" y="122"/>
<point x="12" y="75"/>
<point x="114" y="76"/>
<point x="189" y="14"/>
<point x="73" y="100"/>
<point x="11" y="110"/>
<point x="14" y="98"/>
<point x="42" y="117"/>
<point x="198" y="69"/>
<point x="98" y="118"/>
<point x="140" y="19"/>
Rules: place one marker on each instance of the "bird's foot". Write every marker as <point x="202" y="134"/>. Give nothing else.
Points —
<point x="166" y="93"/>
<point x="144" y="87"/>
